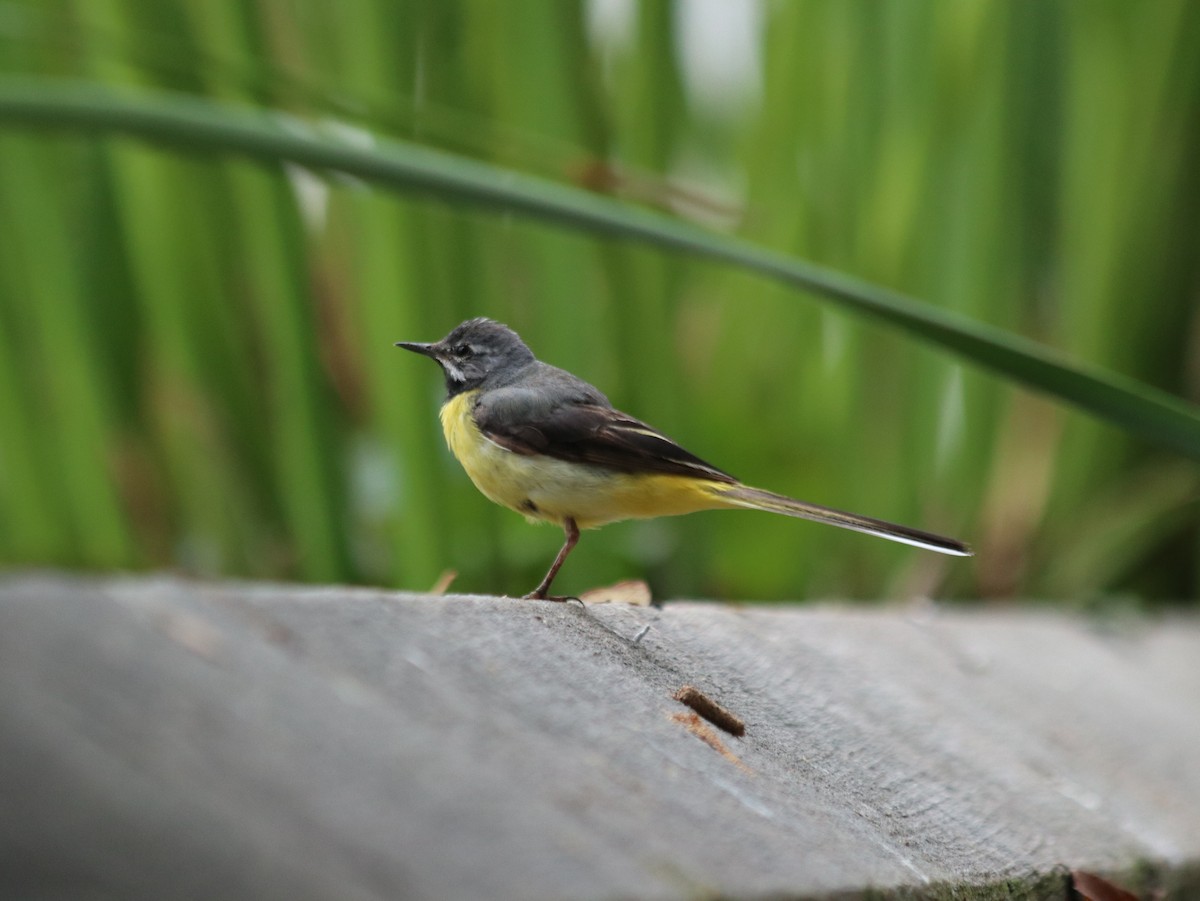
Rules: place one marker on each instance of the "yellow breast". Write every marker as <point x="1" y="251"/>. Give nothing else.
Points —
<point x="548" y="489"/>
<point x="498" y="473"/>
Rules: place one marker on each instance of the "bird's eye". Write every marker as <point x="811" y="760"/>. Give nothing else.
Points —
<point x="462" y="350"/>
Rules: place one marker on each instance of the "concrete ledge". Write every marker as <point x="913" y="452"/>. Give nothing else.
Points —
<point x="163" y="739"/>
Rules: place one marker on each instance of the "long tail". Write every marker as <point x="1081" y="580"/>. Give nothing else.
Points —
<point x="738" y="495"/>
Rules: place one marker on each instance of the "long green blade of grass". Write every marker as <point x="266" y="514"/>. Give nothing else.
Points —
<point x="198" y="125"/>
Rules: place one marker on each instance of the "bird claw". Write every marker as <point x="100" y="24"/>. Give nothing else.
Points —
<point x="561" y="598"/>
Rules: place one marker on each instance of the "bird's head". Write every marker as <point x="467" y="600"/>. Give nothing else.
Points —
<point x="476" y="352"/>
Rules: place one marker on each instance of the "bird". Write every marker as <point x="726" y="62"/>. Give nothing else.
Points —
<point x="545" y="443"/>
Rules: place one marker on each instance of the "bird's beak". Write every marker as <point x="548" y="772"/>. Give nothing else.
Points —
<point x="425" y="350"/>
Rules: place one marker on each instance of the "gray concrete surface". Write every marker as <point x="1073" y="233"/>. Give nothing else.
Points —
<point x="164" y="739"/>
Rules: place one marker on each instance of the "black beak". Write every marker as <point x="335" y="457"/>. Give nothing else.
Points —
<point x="425" y="350"/>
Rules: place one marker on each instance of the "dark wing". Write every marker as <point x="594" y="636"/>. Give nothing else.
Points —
<point x="563" y="417"/>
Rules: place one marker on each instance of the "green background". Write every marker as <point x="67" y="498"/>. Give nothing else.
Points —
<point x="196" y="361"/>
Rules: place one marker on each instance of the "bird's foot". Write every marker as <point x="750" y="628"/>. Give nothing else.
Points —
<point x="542" y="596"/>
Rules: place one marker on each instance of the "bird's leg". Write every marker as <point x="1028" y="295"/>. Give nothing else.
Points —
<point x="539" y="593"/>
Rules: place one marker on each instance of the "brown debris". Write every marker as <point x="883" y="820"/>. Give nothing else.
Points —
<point x="633" y="592"/>
<point x="444" y="581"/>
<point x="1091" y="887"/>
<point x="700" y="729"/>
<point x="710" y="710"/>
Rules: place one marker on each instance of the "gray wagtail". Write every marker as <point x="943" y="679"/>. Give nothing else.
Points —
<point x="546" y="444"/>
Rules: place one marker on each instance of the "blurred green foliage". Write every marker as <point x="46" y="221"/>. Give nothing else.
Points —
<point x="196" y="367"/>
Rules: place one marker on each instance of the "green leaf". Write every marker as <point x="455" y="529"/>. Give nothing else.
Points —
<point x="193" y="124"/>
